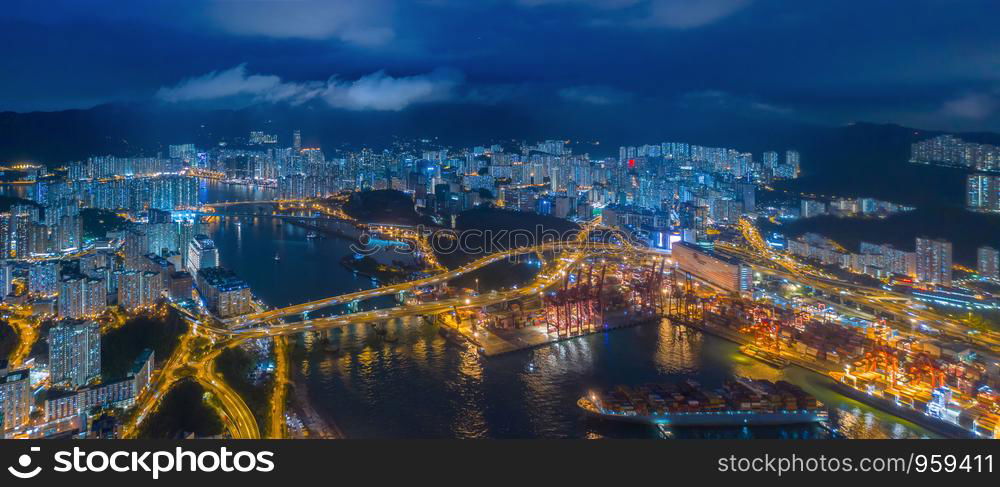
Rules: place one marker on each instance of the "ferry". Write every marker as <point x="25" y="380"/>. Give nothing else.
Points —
<point x="740" y="402"/>
<point x="769" y="358"/>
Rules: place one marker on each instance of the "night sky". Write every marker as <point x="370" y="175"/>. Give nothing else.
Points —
<point x="926" y="63"/>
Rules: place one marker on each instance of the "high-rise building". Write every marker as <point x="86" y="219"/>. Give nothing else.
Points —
<point x="111" y="166"/>
<point x="138" y="288"/>
<point x="792" y="160"/>
<point x="82" y="297"/>
<point x="949" y="150"/>
<point x="890" y="259"/>
<point x="259" y="137"/>
<point x="181" y="284"/>
<point x="184" y="152"/>
<point x="988" y="262"/>
<point x="811" y="208"/>
<point x="74" y="352"/>
<point x="6" y="276"/>
<point x="202" y="254"/>
<point x="748" y="193"/>
<point x="71" y="297"/>
<point x="934" y="261"/>
<point x="982" y="192"/>
<point x="15" y="399"/>
<point x="119" y="394"/>
<point x="15" y="230"/>
<point x="225" y="294"/>
<point x="769" y="160"/>
<point x="43" y="278"/>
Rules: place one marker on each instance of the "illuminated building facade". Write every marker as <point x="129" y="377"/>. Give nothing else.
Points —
<point x="74" y="352"/>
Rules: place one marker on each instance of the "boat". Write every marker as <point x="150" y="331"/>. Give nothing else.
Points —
<point x="312" y="235"/>
<point x="277" y="258"/>
<point x="769" y="358"/>
<point x="929" y="411"/>
<point x="740" y="402"/>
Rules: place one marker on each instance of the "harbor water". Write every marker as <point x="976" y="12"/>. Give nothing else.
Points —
<point x="416" y="384"/>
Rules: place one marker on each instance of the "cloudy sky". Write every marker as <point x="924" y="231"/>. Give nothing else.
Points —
<point x="926" y="63"/>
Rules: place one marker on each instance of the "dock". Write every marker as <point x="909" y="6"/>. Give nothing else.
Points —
<point x="491" y="342"/>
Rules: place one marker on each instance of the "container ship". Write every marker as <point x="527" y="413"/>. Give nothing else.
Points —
<point x="939" y="409"/>
<point x="739" y="402"/>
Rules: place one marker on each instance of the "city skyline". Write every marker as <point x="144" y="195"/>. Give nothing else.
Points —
<point x="108" y="243"/>
<point x="734" y="220"/>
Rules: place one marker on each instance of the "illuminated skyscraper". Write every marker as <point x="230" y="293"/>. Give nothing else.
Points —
<point x="43" y="278"/>
<point x="81" y="297"/>
<point x="934" y="261"/>
<point x="988" y="262"/>
<point x="982" y="192"/>
<point x="792" y="160"/>
<point x="6" y="276"/>
<point x="202" y="254"/>
<point x="15" y="399"/>
<point x="74" y="352"/>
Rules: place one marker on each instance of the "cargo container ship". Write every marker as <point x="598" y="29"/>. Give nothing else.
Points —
<point x="739" y="402"/>
<point x="939" y="410"/>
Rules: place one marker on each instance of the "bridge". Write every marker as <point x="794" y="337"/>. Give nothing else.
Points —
<point x="205" y="341"/>
<point x="198" y="348"/>
<point x="222" y="204"/>
<point x="577" y="253"/>
<point x="298" y="309"/>
<point x="276" y="314"/>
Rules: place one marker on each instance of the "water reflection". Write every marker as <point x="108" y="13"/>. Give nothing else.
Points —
<point x="421" y="386"/>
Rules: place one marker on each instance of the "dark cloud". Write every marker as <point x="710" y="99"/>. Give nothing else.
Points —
<point x="930" y="62"/>
<point x="595" y="95"/>
<point x="721" y="101"/>
<point x="973" y="106"/>
<point x="366" y="23"/>
<point x="682" y="14"/>
<point x="671" y="14"/>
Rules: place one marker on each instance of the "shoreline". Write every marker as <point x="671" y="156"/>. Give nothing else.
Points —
<point x="318" y="426"/>
<point x="302" y="391"/>
<point x="822" y="370"/>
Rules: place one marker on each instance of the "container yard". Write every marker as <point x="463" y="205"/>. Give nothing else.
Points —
<point x="945" y="387"/>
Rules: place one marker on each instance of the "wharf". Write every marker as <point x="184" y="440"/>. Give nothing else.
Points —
<point x="492" y="342"/>
<point x="823" y="367"/>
